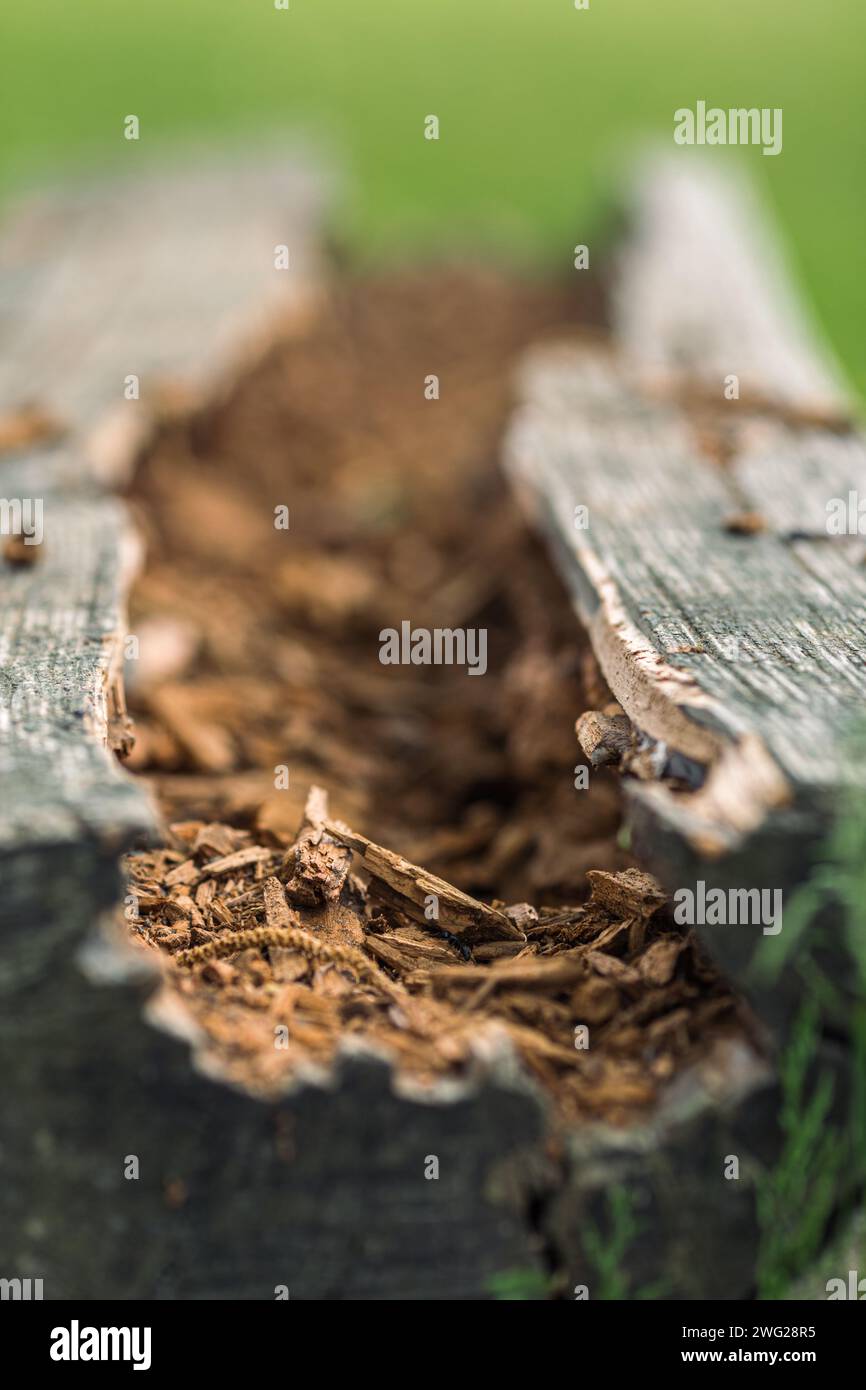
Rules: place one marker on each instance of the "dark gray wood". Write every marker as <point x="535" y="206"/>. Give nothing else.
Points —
<point x="324" y="1191"/>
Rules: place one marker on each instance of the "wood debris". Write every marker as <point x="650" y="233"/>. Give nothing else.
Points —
<point x="321" y="863"/>
<point x="461" y="900"/>
<point x="424" y="896"/>
<point x="605" y="737"/>
<point x="745" y="523"/>
<point x="272" y="964"/>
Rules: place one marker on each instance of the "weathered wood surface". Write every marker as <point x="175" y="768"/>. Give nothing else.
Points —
<point x="169" y="277"/>
<point x="702" y="287"/>
<point x="745" y="652"/>
<point x="325" y="1191"/>
<point x="726" y="646"/>
<point x="60" y="622"/>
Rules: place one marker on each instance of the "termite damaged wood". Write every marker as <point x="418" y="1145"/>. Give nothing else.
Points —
<point x="683" y="481"/>
<point x="321" y="1191"/>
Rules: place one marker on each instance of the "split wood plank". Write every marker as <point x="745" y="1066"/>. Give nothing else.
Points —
<point x="323" y="1190"/>
<point x="169" y="276"/>
<point x="736" y="650"/>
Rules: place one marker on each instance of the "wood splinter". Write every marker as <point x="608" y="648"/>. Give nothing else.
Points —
<point x="608" y="738"/>
<point x="422" y="893"/>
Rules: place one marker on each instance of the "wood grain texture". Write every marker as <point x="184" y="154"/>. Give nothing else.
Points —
<point x="60" y="620"/>
<point x="168" y="275"/>
<point x="703" y="287"/>
<point x="324" y="1191"/>
<point x="746" y="652"/>
<point x="792" y="475"/>
<point x="165" y="274"/>
<point x="725" y="646"/>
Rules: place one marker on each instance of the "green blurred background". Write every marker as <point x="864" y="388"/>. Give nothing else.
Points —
<point x="537" y="103"/>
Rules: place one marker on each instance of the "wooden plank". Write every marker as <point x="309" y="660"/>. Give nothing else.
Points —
<point x="713" y="642"/>
<point x="739" y="646"/>
<point x="59" y="622"/>
<point x="323" y="1191"/>
<point x="169" y="276"/>
<point x="702" y="287"/>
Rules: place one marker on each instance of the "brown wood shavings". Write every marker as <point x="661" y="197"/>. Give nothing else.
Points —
<point x="423" y="895"/>
<point x="260" y="652"/>
<point x="277" y="971"/>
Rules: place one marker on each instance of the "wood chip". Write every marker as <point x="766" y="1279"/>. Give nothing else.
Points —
<point x="420" y="890"/>
<point x="239" y="859"/>
<point x="658" y="962"/>
<point x="630" y="893"/>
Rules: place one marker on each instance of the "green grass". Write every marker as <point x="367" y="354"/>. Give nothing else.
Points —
<point x="519" y="1285"/>
<point x="796" y="1199"/>
<point x="537" y="103"/>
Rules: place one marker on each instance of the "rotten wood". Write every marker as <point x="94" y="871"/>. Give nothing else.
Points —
<point x="739" y="648"/>
<point x="425" y="896"/>
<point x="167" y="276"/>
<point x="93" y="1078"/>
